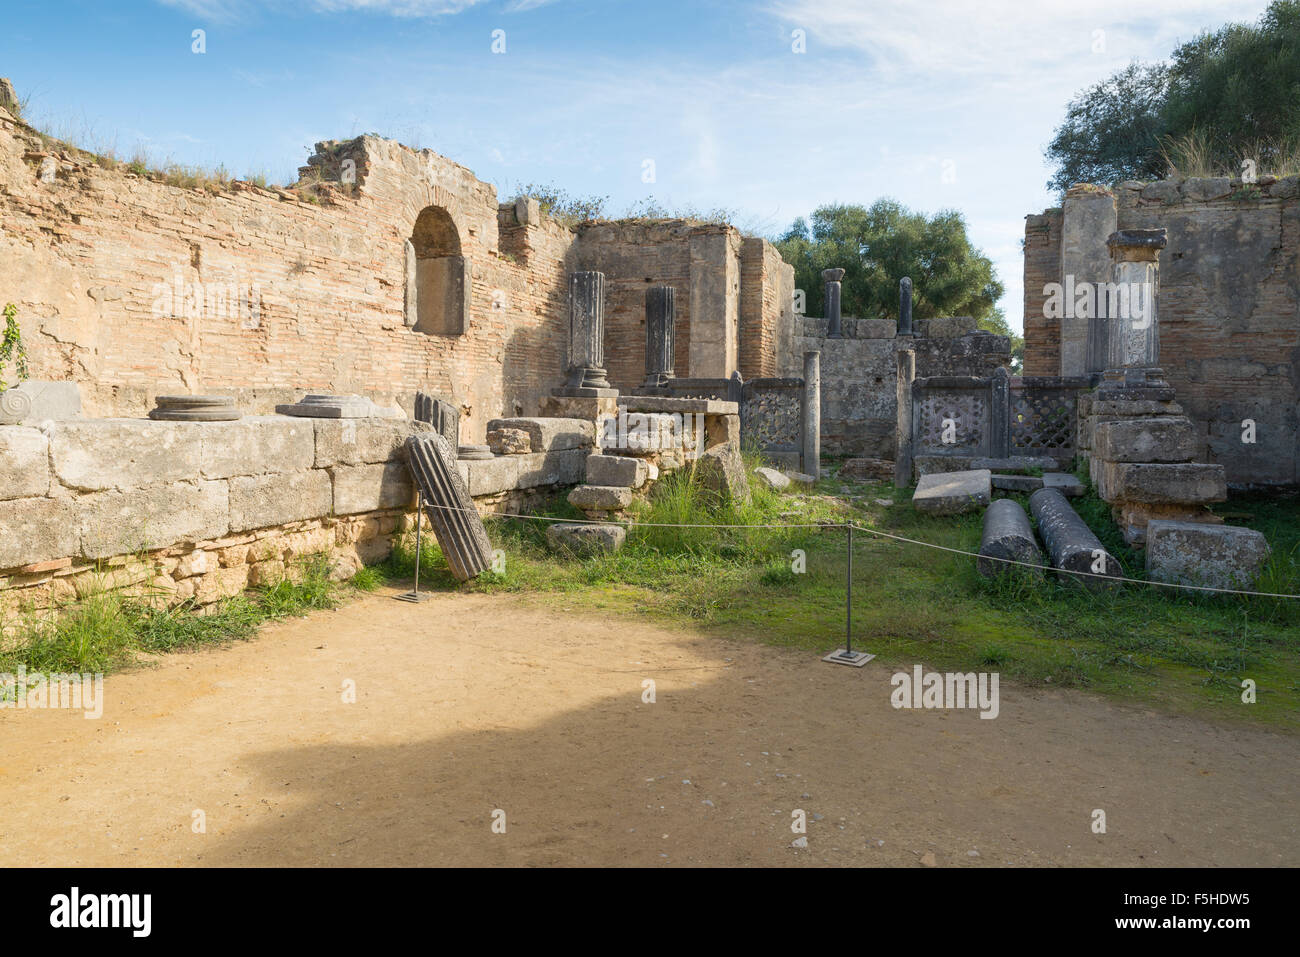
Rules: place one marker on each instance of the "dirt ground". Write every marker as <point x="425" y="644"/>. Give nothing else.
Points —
<point x="470" y="704"/>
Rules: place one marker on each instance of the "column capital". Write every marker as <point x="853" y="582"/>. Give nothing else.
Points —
<point x="1137" y="245"/>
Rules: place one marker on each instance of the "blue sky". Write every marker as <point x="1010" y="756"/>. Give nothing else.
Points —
<point x="938" y="104"/>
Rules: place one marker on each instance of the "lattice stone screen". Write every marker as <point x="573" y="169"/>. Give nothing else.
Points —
<point x="963" y="415"/>
<point x="1043" y="422"/>
<point x="950" y="416"/>
<point x="996" y="416"/>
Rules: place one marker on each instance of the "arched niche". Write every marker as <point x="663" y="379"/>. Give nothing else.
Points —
<point x="437" y="276"/>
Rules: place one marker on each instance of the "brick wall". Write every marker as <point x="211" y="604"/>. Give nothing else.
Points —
<point x="1042" y="265"/>
<point x="633" y="257"/>
<point x="766" y="308"/>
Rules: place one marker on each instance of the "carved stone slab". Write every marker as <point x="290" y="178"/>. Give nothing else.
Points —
<point x="451" y="511"/>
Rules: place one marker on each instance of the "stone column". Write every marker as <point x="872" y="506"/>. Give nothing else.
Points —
<point x="587" y="337"/>
<point x="905" y="306"/>
<point x="1133" y="340"/>
<point x="903" y="427"/>
<point x="832" y="278"/>
<point x="812" y="414"/>
<point x="660" y="336"/>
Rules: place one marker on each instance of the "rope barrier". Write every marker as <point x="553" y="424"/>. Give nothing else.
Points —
<point x="630" y="524"/>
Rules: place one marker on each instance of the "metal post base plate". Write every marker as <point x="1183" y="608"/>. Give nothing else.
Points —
<point x="854" y="659"/>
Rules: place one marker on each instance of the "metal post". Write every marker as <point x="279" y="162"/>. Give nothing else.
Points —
<point x="846" y="655"/>
<point x="848" y="601"/>
<point x="419" y="552"/>
<point x="414" y="595"/>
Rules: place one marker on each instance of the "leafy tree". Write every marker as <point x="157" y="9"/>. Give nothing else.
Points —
<point x="1112" y="131"/>
<point x="877" y="246"/>
<point x="1229" y="94"/>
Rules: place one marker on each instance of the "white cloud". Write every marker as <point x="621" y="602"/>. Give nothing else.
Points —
<point x="231" y="10"/>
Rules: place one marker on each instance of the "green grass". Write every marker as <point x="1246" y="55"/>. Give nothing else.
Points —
<point x="1180" y="651"/>
<point x="106" y="630"/>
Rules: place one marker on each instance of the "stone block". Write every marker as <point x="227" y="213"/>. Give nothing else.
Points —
<point x="946" y="328"/>
<point x="1134" y="517"/>
<point x="587" y="539"/>
<point x="722" y="470"/>
<point x="1130" y="407"/>
<point x="772" y="478"/>
<point x="221" y="583"/>
<point x="369" y="488"/>
<point x="1068" y="485"/>
<point x="24" y="462"/>
<point x="1216" y="556"/>
<point x="259" y="501"/>
<point x="1161" y="191"/>
<point x="551" y="435"/>
<point x="867" y="470"/>
<point x="509" y="441"/>
<point x="565" y="467"/>
<point x="1017" y="483"/>
<point x="620" y="470"/>
<point x="35" y="401"/>
<point x="1152" y="439"/>
<point x="951" y="493"/>
<point x="1187" y="483"/>
<point x="116" y="522"/>
<point x="1014" y="463"/>
<point x="721" y="428"/>
<point x="591" y="408"/>
<point x="256" y="446"/>
<point x="650" y="403"/>
<point x="93" y="455"/>
<point x="489" y="476"/>
<point x="600" y="497"/>
<point x="36" y="530"/>
<point x="362" y="441"/>
<point x="1204" y="189"/>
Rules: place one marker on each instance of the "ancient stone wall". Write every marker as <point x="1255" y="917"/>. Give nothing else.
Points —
<point x="184" y="510"/>
<point x="193" y="510"/>
<point x="859" y="399"/>
<point x="1229" y="313"/>
<point x="393" y="271"/>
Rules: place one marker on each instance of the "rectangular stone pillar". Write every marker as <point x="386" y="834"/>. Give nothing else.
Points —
<point x="715" y="304"/>
<point x="1000" y="414"/>
<point x="1088" y="218"/>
